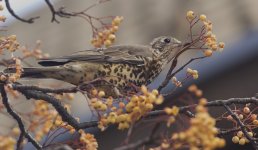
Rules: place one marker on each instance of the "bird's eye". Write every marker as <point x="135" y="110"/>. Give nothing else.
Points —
<point x="167" y="40"/>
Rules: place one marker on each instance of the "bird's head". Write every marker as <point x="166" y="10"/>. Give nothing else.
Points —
<point x="165" y="48"/>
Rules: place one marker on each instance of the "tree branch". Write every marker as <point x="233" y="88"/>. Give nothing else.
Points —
<point x="19" y="141"/>
<point x="39" y="95"/>
<point x="17" y="118"/>
<point x="11" y="11"/>
<point x="242" y="126"/>
<point x="45" y="90"/>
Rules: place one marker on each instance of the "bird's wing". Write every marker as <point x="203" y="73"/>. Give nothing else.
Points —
<point x="116" y="54"/>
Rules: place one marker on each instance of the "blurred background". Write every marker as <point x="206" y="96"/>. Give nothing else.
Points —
<point x="232" y="73"/>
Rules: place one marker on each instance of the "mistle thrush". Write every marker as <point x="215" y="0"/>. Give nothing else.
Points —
<point x="118" y="65"/>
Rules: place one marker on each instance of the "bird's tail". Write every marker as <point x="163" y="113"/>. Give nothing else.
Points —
<point x="33" y="72"/>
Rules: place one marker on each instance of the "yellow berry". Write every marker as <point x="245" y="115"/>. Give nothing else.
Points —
<point x="240" y="134"/>
<point x="195" y="76"/>
<point x="165" y="145"/>
<point x="123" y="126"/>
<point x="136" y="109"/>
<point x="101" y="93"/>
<point x="111" y="37"/>
<point x="174" y="110"/>
<point x="100" y="34"/>
<point x="114" y="29"/>
<point x="251" y="134"/>
<point x="190" y="15"/>
<point x="240" y="116"/>
<point x="149" y="106"/>
<point x="159" y="100"/>
<point x="221" y="143"/>
<point x="214" y="47"/>
<point x="203" y="17"/>
<point x="189" y="70"/>
<point x="12" y="37"/>
<point x="168" y="110"/>
<point x="121" y="118"/>
<point x="208" y="53"/>
<point x="103" y="107"/>
<point x="94" y="92"/>
<point x="107" y="43"/>
<point x="200" y="108"/>
<point x="155" y="92"/>
<point x="117" y="20"/>
<point x="144" y="89"/>
<point x="194" y="72"/>
<point x="203" y="101"/>
<point x="235" y="139"/>
<point x="16" y="131"/>
<point x="242" y="141"/>
<point x="182" y="136"/>
<point x="135" y="99"/>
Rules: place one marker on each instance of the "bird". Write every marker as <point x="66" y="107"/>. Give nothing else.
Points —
<point x="118" y="65"/>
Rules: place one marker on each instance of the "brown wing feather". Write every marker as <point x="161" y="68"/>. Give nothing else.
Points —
<point x="115" y="54"/>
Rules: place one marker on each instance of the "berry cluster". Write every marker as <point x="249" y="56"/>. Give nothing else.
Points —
<point x="124" y="113"/>
<point x="107" y="36"/>
<point x="202" y="133"/>
<point x="193" y="73"/>
<point x="249" y="118"/>
<point x="88" y="140"/>
<point x="208" y="37"/>
<point x="9" y="43"/>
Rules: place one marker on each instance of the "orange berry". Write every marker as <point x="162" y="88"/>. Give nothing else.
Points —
<point x="198" y="93"/>
<point x="208" y="53"/>
<point x="192" y="88"/>
<point x="253" y="117"/>
<point x="221" y="45"/>
<point x="121" y="104"/>
<point x="246" y="110"/>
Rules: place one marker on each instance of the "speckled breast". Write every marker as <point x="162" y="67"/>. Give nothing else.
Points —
<point x="122" y="74"/>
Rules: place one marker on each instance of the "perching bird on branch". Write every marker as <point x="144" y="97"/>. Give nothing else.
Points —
<point x="118" y="65"/>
